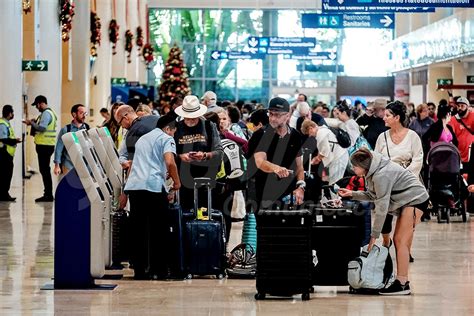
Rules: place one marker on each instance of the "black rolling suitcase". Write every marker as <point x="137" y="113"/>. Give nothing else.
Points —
<point x="120" y="238"/>
<point x="337" y="235"/>
<point x="175" y="237"/>
<point x="205" y="239"/>
<point x="284" y="256"/>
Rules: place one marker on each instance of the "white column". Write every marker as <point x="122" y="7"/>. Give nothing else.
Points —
<point x="11" y="77"/>
<point x="459" y="74"/>
<point x="48" y="47"/>
<point x="119" y="60"/>
<point x="439" y="14"/>
<point x="76" y="88"/>
<point x="132" y="68"/>
<point x="142" y="71"/>
<point x="102" y="70"/>
<point x="417" y="21"/>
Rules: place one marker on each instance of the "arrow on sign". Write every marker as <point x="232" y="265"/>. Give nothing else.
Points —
<point x="253" y="42"/>
<point x="41" y="65"/>
<point x="332" y="55"/>
<point x="215" y="55"/>
<point x="386" y="20"/>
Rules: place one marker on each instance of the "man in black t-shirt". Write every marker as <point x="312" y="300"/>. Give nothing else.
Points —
<point x="278" y="158"/>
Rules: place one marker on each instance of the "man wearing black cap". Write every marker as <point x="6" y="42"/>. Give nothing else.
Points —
<point x="44" y="131"/>
<point x="278" y="158"/>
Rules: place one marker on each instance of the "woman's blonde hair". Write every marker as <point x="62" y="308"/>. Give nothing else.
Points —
<point x="307" y="124"/>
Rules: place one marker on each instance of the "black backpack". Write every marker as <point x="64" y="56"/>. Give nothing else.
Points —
<point x="343" y="138"/>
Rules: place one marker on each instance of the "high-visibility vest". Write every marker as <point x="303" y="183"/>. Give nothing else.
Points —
<point x="11" y="135"/>
<point x="48" y="137"/>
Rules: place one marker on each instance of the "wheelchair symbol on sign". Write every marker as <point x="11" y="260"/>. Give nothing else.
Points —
<point x="334" y="21"/>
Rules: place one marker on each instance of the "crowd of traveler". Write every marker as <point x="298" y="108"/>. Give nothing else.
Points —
<point x="164" y="149"/>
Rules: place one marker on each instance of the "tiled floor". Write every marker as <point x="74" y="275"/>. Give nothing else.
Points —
<point x="442" y="278"/>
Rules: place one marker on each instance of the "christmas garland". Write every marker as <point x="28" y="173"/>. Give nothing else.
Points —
<point x="65" y="16"/>
<point x="129" y="44"/>
<point x="95" y="33"/>
<point x="148" y="54"/>
<point x="26" y="6"/>
<point x="140" y="39"/>
<point x="113" y="34"/>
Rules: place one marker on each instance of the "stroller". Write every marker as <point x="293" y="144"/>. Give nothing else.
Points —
<point x="445" y="182"/>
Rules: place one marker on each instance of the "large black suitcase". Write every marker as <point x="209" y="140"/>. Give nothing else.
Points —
<point x="284" y="256"/>
<point x="120" y="238"/>
<point x="175" y="237"/>
<point x="337" y="235"/>
<point x="205" y="239"/>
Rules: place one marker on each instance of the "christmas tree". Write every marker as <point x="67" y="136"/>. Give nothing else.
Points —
<point x="174" y="81"/>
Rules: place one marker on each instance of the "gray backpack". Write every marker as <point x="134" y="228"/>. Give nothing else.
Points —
<point x="370" y="271"/>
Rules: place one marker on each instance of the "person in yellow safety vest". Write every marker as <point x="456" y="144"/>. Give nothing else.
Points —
<point x="44" y="131"/>
<point x="7" y="152"/>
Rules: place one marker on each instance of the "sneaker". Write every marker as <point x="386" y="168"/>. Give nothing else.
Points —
<point x="45" y="198"/>
<point x="396" y="288"/>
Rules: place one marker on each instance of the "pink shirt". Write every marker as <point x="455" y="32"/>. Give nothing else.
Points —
<point x="446" y="137"/>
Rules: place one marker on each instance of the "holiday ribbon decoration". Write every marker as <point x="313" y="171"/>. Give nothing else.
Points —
<point x="140" y="39"/>
<point x="95" y="33"/>
<point x="26" y="4"/>
<point x="65" y="17"/>
<point x="129" y="45"/>
<point x="113" y="34"/>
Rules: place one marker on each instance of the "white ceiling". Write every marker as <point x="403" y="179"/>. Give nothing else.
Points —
<point x="236" y="4"/>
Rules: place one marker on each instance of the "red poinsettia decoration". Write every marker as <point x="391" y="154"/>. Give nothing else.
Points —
<point x="26" y="6"/>
<point x="148" y="54"/>
<point x="113" y="34"/>
<point x="140" y="39"/>
<point x="95" y="33"/>
<point x="129" y="44"/>
<point x="65" y="17"/>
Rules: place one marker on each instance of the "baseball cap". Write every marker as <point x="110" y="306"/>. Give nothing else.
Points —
<point x="39" y="99"/>
<point x="462" y="100"/>
<point x="279" y="104"/>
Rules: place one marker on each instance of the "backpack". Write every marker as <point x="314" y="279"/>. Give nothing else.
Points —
<point x="242" y="262"/>
<point x="343" y="138"/>
<point x="234" y="164"/>
<point x="371" y="271"/>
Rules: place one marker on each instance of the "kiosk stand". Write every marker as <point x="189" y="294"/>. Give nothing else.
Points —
<point x="80" y="253"/>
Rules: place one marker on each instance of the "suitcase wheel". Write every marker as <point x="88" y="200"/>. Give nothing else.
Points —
<point x="220" y="276"/>
<point x="189" y="276"/>
<point x="305" y="296"/>
<point x="311" y="290"/>
<point x="260" y="296"/>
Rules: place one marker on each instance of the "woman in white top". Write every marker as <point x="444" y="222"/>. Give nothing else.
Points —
<point x="334" y="157"/>
<point x="343" y="113"/>
<point x="301" y="109"/>
<point x="402" y="146"/>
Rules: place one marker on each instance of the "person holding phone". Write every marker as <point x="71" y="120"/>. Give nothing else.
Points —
<point x="395" y="191"/>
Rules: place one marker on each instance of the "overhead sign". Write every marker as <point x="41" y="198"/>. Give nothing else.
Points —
<point x="406" y="3"/>
<point x="313" y="56"/>
<point x="444" y="82"/>
<point x="34" y="65"/>
<point x="321" y="68"/>
<point x="336" y="8"/>
<point x="219" y="55"/>
<point x="339" y="21"/>
<point x="281" y="45"/>
<point x="118" y="81"/>
<point x="470" y="79"/>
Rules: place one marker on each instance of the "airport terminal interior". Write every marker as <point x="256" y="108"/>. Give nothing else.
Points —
<point x="61" y="251"/>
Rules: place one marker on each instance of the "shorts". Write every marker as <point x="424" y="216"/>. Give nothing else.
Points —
<point x="422" y="206"/>
<point x="387" y="226"/>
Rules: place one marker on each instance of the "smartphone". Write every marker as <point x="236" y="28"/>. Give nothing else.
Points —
<point x="192" y="153"/>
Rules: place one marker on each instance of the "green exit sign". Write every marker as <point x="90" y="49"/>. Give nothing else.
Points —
<point x="119" y="81"/>
<point x="470" y="79"/>
<point x="445" y="82"/>
<point x="34" y="65"/>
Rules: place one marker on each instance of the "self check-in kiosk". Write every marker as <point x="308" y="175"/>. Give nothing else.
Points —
<point x="80" y="204"/>
<point x="98" y="170"/>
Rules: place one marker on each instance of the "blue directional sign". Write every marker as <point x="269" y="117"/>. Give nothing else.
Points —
<point x="339" y="21"/>
<point x="232" y="55"/>
<point x="327" y="7"/>
<point x="406" y="3"/>
<point x="281" y="45"/>
<point x="313" y="56"/>
<point x="320" y="68"/>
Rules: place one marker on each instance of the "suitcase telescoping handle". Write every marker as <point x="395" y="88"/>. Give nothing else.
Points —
<point x="202" y="182"/>
<point x="310" y="157"/>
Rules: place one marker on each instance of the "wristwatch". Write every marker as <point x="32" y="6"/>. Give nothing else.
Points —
<point x="301" y="184"/>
